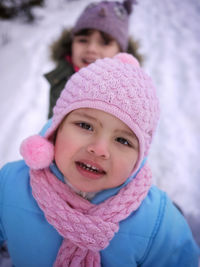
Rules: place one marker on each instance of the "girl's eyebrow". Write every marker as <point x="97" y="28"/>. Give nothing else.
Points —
<point x="82" y="114"/>
<point x="128" y="133"/>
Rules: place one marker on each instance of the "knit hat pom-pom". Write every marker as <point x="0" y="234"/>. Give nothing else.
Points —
<point x="37" y="152"/>
<point x="126" y="58"/>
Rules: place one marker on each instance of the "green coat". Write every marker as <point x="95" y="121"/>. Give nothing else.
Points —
<point x="57" y="79"/>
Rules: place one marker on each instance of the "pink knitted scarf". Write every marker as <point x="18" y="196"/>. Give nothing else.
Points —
<point x="86" y="228"/>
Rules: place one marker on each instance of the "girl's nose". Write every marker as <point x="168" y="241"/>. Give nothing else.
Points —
<point x="92" y="46"/>
<point x="99" y="149"/>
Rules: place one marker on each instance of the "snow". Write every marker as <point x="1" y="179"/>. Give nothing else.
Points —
<point x="169" y="37"/>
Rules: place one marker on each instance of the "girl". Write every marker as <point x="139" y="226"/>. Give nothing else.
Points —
<point x="83" y="196"/>
<point x="100" y="31"/>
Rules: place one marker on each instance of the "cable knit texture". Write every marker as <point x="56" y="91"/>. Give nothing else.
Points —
<point x="85" y="227"/>
<point x="118" y="86"/>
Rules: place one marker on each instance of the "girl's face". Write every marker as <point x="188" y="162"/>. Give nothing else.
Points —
<point x="95" y="150"/>
<point x="92" y="46"/>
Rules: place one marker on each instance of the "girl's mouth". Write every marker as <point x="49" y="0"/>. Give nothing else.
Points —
<point x="88" y="61"/>
<point x="89" y="170"/>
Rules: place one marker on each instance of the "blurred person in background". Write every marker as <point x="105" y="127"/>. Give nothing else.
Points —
<point x="100" y="31"/>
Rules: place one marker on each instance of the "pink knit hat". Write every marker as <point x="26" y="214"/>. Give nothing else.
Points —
<point x="115" y="85"/>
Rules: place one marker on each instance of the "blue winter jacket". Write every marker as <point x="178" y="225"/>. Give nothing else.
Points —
<point x="156" y="235"/>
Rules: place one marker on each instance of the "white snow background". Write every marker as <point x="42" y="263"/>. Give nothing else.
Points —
<point x="169" y="36"/>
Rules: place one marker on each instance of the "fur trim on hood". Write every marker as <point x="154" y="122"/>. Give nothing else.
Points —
<point x="62" y="47"/>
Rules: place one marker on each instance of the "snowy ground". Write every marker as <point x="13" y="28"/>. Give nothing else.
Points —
<point x="169" y="37"/>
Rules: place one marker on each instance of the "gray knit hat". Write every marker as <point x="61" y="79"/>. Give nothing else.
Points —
<point x="109" y="17"/>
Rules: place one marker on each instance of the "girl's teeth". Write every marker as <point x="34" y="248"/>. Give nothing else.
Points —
<point x="89" y="167"/>
<point x="87" y="61"/>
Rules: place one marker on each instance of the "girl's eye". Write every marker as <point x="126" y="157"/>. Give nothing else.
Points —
<point x="105" y="41"/>
<point x="82" y="40"/>
<point x="123" y="141"/>
<point x="85" y="126"/>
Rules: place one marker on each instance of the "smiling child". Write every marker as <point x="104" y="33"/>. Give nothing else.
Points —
<point x="83" y="195"/>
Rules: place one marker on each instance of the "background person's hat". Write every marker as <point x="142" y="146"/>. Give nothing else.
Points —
<point x="109" y="17"/>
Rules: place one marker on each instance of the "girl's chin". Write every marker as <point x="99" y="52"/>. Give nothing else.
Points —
<point x="81" y="189"/>
<point x="84" y="193"/>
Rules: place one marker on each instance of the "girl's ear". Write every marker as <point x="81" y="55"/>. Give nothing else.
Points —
<point x="37" y="152"/>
